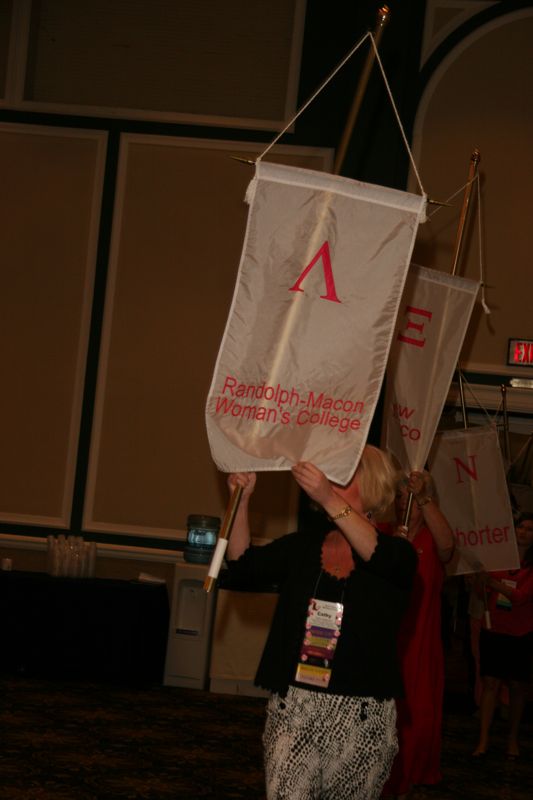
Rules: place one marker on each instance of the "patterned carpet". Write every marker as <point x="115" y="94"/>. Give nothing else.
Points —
<point x="65" y="741"/>
<point x="93" y="742"/>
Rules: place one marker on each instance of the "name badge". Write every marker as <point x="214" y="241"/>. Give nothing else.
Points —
<point x="502" y="601"/>
<point x="322" y="631"/>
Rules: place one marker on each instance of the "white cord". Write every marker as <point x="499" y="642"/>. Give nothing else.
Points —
<point x="484" y="304"/>
<point x="313" y="96"/>
<point x="483" y="409"/>
<point x="415" y="170"/>
<point x="451" y="197"/>
<point x="325" y="83"/>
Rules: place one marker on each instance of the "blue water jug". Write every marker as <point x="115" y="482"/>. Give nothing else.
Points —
<point x="202" y="532"/>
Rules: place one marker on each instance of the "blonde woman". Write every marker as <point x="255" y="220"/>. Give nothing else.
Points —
<point x="330" y="658"/>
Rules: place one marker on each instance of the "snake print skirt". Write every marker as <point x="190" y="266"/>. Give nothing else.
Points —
<point x="328" y="747"/>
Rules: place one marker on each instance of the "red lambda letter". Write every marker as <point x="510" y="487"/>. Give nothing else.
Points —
<point x="417" y="326"/>
<point x="323" y="253"/>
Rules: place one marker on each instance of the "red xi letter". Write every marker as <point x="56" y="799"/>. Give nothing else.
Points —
<point x="417" y="326"/>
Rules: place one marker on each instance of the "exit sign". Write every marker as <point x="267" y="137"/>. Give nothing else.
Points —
<point x="520" y="353"/>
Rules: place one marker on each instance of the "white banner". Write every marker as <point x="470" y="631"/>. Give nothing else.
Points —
<point x="304" y="351"/>
<point x="434" y="314"/>
<point x="467" y="467"/>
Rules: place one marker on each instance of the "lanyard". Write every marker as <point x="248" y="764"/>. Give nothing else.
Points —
<point x="322" y="632"/>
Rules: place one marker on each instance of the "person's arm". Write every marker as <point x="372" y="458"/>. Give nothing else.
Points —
<point x="239" y="541"/>
<point x="518" y="595"/>
<point x="359" y="532"/>
<point x="433" y="517"/>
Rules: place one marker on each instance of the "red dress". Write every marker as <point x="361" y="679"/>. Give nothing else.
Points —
<point x="422" y="661"/>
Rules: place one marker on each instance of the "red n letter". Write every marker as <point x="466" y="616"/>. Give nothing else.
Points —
<point x="417" y="326"/>
<point x="472" y="471"/>
<point x="322" y="253"/>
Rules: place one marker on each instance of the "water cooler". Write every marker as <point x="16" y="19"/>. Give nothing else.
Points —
<point x="242" y="622"/>
<point x="191" y="620"/>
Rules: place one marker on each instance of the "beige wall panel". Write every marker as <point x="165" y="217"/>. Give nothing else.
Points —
<point x="442" y="17"/>
<point x="219" y="59"/>
<point x="49" y="208"/>
<point x="482" y="96"/>
<point x="179" y="226"/>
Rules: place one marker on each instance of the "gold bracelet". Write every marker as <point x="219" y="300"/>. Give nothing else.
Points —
<point x="346" y="511"/>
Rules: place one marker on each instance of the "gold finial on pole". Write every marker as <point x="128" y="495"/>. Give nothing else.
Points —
<point x="383" y="18"/>
<point x="475" y="158"/>
<point x="247" y="161"/>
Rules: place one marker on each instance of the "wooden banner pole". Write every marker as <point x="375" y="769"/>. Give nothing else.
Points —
<point x="475" y="158"/>
<point x="223" y="537"/>
<point x="383" y="18"/>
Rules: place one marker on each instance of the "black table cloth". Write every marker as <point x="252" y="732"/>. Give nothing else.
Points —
<point x="90" y="628"/>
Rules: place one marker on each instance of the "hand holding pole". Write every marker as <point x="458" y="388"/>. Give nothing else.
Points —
<point x="407" y="512"/>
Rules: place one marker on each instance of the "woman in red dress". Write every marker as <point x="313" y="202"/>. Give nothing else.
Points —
<point x="420" y="642"/>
